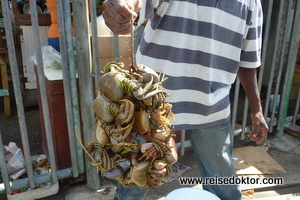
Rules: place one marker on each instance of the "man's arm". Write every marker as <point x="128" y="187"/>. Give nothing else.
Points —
<point x="249" y="82"/>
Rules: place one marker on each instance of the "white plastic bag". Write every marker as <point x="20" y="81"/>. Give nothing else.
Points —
<point x="15" y="160"/>
<point x="51" y="58"/>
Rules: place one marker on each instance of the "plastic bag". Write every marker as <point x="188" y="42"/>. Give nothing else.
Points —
<point x="51" y="58"/>
<point x="102" y="28"/>
<point x="15" y="160"/>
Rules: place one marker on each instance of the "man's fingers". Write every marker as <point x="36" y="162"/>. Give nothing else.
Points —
<point x="115" y="27"/>
<point x="118" y="16"/>
<point x="134" y="5"/>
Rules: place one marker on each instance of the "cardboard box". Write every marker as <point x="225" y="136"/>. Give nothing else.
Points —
<point x="106" y="50"/>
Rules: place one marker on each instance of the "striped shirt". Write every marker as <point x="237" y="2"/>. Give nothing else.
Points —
<point x="199" y="45"/>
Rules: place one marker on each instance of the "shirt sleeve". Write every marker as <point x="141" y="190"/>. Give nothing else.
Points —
<point x="251" y="49"/>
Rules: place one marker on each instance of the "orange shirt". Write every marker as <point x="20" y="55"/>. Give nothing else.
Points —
<point x="53" y="29"/>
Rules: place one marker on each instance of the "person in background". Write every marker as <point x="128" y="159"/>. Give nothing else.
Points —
<point x="202" y="46"/>
<point x="53" y="34"/>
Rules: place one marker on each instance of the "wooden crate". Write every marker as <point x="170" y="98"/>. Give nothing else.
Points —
<point x="25" y="19"/>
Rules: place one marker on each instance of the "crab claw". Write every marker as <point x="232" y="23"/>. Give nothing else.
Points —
<point x="145" y="146"/>
<point x="171" y="157"/>
<point x="125" y="113"/>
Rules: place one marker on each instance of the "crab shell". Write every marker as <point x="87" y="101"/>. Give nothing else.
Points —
<point x="109" y="84"/>
<point x="101" y="108"/>
<point x="139" y="173"/>
<point x="101" y="136"/>
<point x="141" y="122"/>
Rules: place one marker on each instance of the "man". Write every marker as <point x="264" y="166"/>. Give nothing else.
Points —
<point x="201" y="45"/>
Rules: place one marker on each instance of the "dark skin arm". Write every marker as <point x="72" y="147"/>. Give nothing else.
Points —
<point x="249" y="82"/>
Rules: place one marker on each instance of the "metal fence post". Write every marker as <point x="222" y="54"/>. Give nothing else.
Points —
<point x="83" y="55"/>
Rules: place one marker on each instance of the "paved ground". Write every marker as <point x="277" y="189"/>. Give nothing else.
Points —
<point x="284" y="150"/>
<point x="289" y="161"/>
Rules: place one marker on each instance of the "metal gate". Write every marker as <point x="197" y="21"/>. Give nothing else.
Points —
<point x="280" y="48"/>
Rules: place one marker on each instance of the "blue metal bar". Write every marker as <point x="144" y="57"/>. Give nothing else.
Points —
<point x="39" y="179"/>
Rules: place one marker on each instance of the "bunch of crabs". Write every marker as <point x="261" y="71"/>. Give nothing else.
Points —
<point x="134" y="141"/>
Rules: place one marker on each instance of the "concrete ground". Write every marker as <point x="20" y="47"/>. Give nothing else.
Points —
<point x="288" y="160"/>
<point x="285" y="150"/>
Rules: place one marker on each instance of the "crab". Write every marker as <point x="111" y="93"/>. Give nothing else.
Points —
<point x="137" y="175"/>
<point x="144" y="73"/>
<point x="158" y="150"/>
<point x="162" y="113"/>
<point x="118" y="136"/>
<point x="157" y="171"/>
<point x="99" y="156"/>
<point x="107" y="110"/>
<point x="150" y="93"/>
<point x="109" y="84"/>
<point x="117" y="173"/>
<point x="163" y="133"/>
<point x="125" y="113"/>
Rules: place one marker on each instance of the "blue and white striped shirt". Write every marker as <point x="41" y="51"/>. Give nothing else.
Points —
<point x="200" y="44"/>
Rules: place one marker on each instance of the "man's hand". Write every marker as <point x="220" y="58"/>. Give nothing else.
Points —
<point x="260" y="128"/>
<point x="249" y="81"/>
<point x="117" y="14"/>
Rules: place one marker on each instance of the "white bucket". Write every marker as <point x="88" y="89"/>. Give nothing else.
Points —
<point x="272" y="96"/>
<point x="191" y="194"/>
